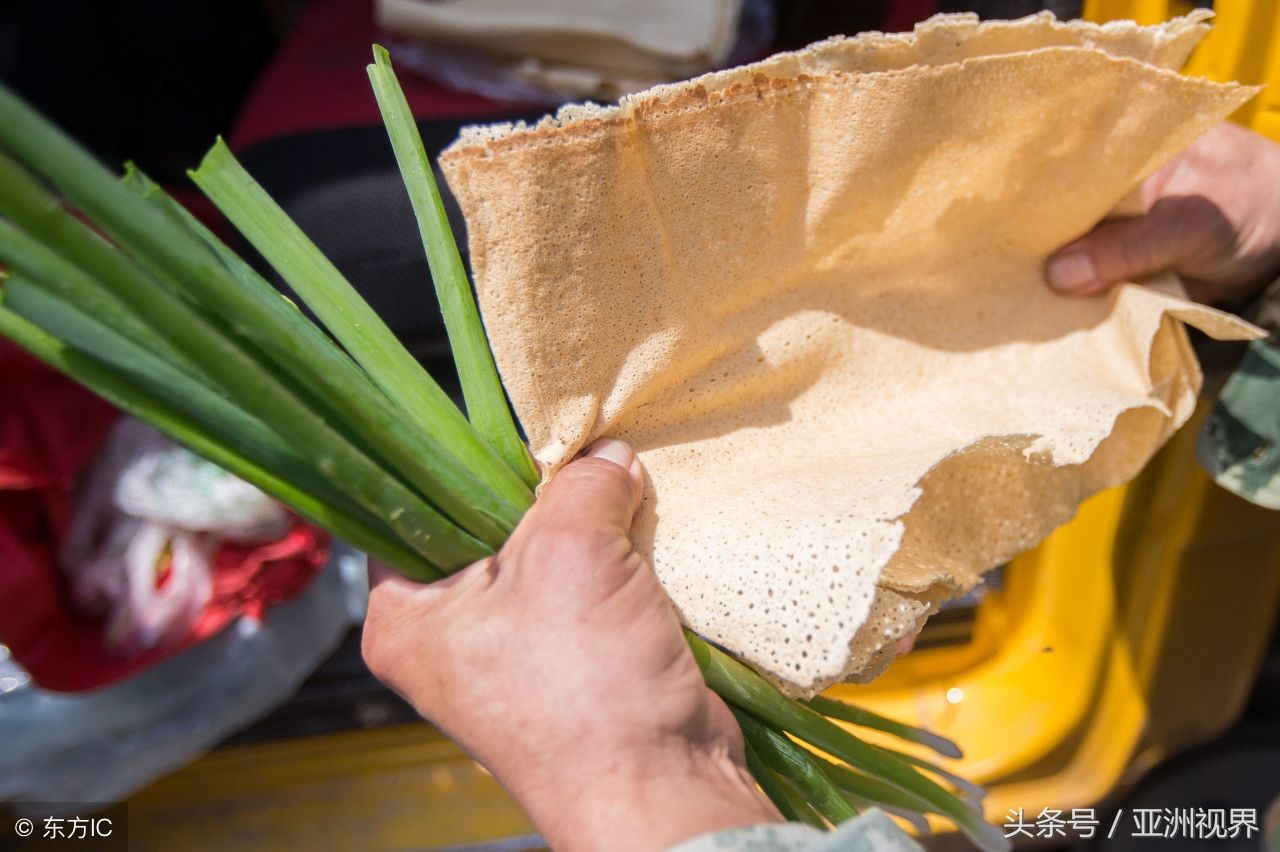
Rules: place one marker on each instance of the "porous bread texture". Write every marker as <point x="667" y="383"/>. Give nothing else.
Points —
<point x="809" y="293"/>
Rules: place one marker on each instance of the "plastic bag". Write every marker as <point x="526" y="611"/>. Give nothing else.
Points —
<point x="161" y="550"/>
<point x="144" y="502"/>
<point x="102" y="746"/>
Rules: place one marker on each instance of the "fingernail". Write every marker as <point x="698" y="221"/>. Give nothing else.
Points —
<point x="1071" y="271"/>
<point x="611" y="449"/>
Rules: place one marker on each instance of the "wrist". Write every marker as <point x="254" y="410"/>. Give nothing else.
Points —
<point x="647" y="798"/>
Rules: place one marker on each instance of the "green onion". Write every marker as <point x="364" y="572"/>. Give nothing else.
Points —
<point x="872" y="789"/>
<point x="914" y="818"/>
<point x="107" y="384"/>
<point x="466" y="498"/>
<point x="234" y="371"/>
<point x="789" y="803"/>
<point x="969" y="791"/>
<point x="49" y="270"/>
<point x="486" y="403"/>
<point x="167" y="249"/>
<point x="741" y="687"/>
<point x="867" y="719"/>
<point x="796" y="764"/>
<point x="153" y="373"/>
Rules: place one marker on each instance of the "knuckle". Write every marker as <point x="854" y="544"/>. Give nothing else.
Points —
<point x="551" y="546"/>
<point x="373" y="647"/>
<point x="593" y="473"/>
<point x="1202" y="219"/>
<point x="548" y="544"/>
<point x="1188" y="227"/>
<point x="384" y="635"/>
<point x="1132" y="255"/>
<point x="1122" y="249"/>
<point x="600" y="544"/>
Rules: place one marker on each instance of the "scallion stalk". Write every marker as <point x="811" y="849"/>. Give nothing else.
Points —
<point x="967" y="790"/>
<point x="130" y="399"/>
<point x="481" y="388"/>
<point x="741" y="687"/>
<point x="244" y="380"/>
<point x="793" y="807"/>
<point x="866" y="719"/>
<point x="796" y="764"/>
<point x="484" y="505"/>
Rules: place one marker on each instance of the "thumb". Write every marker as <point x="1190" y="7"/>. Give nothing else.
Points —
<point x="1125" y="249"/>
<point x="599" y="491"/>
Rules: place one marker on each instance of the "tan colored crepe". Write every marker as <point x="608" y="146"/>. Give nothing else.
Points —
<point x="809" y="292"/>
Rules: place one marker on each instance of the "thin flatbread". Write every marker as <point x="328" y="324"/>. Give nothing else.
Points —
<point x="809" y="292"/>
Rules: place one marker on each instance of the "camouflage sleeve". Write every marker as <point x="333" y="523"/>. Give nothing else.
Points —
<point x="1240" y="442"/>
<point x="873" y="831"/>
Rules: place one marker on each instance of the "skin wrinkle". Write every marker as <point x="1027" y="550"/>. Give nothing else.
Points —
<point x="604" y="726"/>
<point x="1203" y="215"/>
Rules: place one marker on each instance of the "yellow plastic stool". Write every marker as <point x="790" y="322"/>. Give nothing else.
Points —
<point x="1244" y="46"/>
<point x="1136" y="630"/>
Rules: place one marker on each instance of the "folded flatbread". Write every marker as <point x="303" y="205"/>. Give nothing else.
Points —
<point x="809" y="292"/>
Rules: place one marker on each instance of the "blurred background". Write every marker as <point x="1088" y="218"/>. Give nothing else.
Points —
<point x="1129" y="662"/>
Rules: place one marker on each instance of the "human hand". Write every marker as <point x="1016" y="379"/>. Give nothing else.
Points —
<point x="1212" y="215"/>
<point x="559" y="664"/>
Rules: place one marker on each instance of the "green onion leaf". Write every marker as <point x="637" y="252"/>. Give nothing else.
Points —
<point x="867" y="719"/>
<point x="328" y="375"/>
<point x="481" y="388"/>
<point x="792" y="806"/>
<point x="442" y="434"/>
<point x="794" y="763"/>
<point x="153" y="373"/>
<point x="130" y="399"/>
<point x="968" y="790"/>
<point x="872" y="789"/>
<point x="741" y="687"/>
<point x="244" y="380"/>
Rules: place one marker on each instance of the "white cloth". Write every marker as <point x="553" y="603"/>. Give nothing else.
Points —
<point x="147" y="503"/>
<point x="578" y="47"/>
<point x="870" y="832"/>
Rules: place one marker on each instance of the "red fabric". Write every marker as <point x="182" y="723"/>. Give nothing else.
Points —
<point x="50" y="429"/>
<point x="316" y="81"/>
<point x="903" y="15"/>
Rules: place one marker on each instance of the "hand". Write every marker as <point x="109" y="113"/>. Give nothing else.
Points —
<point x="559" y="664"/>
<point x="1212" y="215"/>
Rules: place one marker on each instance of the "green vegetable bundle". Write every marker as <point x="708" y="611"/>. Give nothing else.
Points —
<point x="167" y="323"/>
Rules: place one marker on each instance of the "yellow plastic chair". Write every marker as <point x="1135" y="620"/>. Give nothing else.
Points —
<point x="1243" y="46"/>
<point x="1131" y="633"/>
<point x="1136" y="630"/>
